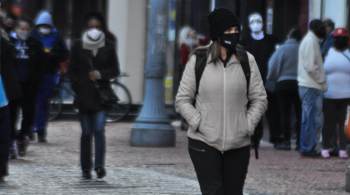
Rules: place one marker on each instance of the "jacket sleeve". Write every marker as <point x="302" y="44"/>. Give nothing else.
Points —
<point x="311" y="66"/>
<point x="75" y="74"/>
<point x="274" y="69"/>
<point x="274" y="66"/>
<point x="111" y="69"/>
<point x="60" y="52"/>
<point x="186" y="94"/>
<point x="257" y="97"/>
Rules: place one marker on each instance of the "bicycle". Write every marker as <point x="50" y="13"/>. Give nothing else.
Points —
<point x="63" y="94"/>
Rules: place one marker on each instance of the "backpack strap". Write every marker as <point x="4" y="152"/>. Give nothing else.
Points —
<point x="201" y="62"/>
<point x="244" y="61"/>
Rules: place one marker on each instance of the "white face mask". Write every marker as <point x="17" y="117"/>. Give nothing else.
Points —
<point x="256" y="23"/>
<point x="23" y="35"/>
<point x="45" y="30"/>
<point x="94" y="34"/>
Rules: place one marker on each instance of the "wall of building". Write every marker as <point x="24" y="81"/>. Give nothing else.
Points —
<point x="127" y="19"/>
<point x="337" y="10"/>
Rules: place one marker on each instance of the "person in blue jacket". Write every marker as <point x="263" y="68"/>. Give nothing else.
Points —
<point x="56" y="53"/>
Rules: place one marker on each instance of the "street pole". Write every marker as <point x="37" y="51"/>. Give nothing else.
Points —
<point x="152" y="127"/>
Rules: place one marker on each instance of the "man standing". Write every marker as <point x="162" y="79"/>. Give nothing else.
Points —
<point x="312" y="84"/>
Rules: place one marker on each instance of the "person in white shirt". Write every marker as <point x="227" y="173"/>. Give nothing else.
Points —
<point x="337" y="97"/>
<point x="312" y="84"/>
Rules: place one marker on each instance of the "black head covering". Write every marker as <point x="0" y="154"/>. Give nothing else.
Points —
<point x="318" y="27"/>
<point x="220" y="20"/>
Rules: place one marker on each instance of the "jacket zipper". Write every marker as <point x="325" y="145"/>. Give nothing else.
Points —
<point x="224" y="133"/>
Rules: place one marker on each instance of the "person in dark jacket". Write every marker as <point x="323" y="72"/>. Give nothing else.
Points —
<point x="9" y="91"/>
<point x="28" y="68"/>
<point x="55" y="54"/>
<point x="283" y="71"/>
<point x="96" y="20"/>
<point x="93" y="64"/>
<point x="262" y="45"/>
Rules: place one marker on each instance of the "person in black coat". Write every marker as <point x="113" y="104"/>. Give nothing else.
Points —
<point x="9" y="91"/>
<point x="97" y="20"/>
<point x="261" y="45"/>
<point x="29" y="71"/>
<point x="93" y="64"/>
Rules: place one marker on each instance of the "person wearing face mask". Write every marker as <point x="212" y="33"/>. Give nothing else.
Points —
<point x="93" y="64"/>
<point x="262" y="45"/>
<point x="56" y="53"/>
<point x="97" y="20"/>
<point x="220" y="122"/>
<point x="28" y="68"/>
<point x="337" y="97"/>
<point x="312" y="83"/>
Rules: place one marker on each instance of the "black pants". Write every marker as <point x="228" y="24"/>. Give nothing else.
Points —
<point x="273" y="118"/>
<point x="27" y="105"/>
<point x="288" y="100"/>
<point x="334" y="119"/>
<point x="5" y="140"/>
<point x="219" y="173"/>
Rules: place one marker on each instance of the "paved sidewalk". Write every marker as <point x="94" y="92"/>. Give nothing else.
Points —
<point x="54" y="169"/>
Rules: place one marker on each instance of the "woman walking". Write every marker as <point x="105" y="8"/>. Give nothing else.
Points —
<point x="221" y="122"/>
<point x="93" y="64"/>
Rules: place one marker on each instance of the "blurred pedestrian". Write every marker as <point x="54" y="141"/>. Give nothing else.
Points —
<point x="261" y="46"/>
<point x="312" y="83"/>
<point x="55" y="53"/>
<point x="9" y="23"/>
<point x="93" y="64"/>
<point x="9" y="91"/>
<point x="283" y="72"/>
<point x="329" y="41"/>
<point x="337" y="97"/>
<point x="187" y="42"/>
<point x="28" y="69"/>
<point x="220" y="122"/>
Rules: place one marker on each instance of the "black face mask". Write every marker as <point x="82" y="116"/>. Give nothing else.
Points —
<point x="229" y="41"/>
<point x="341" y="43"/>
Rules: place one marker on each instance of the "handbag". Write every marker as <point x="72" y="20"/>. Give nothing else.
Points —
<point x="105" y="92"/>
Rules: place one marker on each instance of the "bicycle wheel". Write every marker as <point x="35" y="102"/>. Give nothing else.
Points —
<point x="119" y="110"/>
<point x="55" y="107"/>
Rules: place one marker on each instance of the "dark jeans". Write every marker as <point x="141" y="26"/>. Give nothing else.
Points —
<point x="334" y="119"/>
<point x="288" y="99"/>
<point x="45" y="92"/>
<point x="27" y="105"/>
<point x="5" y="140"/>
<point x="93" y="126"/>
<point x="219" y="173"/>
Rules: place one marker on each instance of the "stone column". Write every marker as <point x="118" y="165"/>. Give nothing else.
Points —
<point x="152" y="127"/>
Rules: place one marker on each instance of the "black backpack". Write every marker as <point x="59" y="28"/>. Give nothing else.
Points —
<point x="201" y="62"/>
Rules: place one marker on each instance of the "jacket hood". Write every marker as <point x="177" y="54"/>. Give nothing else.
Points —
<point x="44" y="17"/>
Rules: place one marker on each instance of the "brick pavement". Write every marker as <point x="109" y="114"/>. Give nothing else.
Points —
<point x="53" y="169"/>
